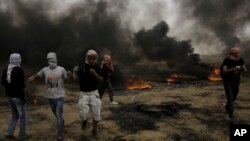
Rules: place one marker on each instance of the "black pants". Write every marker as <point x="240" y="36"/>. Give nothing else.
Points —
<point x="107" y="86"/>
<point x="231" y="91"/>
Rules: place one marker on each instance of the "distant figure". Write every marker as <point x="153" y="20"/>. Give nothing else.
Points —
<point x="13" y="81"/>
<point x="231" y="69"/>
<point x="54" y="76"/>
<point x="89" y="73"/>
<point x="107" y="68"/>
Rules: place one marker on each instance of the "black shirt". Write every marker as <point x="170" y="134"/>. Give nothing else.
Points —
<point x="232" y="76"/>
<point x="14" y="89"/>
<point x="88" y="82"/>
<point x="106" y="72"/>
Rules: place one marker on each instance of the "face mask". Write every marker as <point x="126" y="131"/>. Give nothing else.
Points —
<point x="52" y="60"/>
<point x="90" y="55"/>
<point x="234" y="58"/>
<point x="52" y="64"/>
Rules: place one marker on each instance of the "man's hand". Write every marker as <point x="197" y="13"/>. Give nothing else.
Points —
<point x="31" y="78"/>
<point x="29" y="97"/>
<point x="69" y="74"/>
<point x="92" y="71"/>
<point x="110" y="66"/>
<point x="76" y="68"/>
<point x="238" y="67"/>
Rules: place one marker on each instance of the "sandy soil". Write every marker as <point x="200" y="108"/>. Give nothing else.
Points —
<point x="191" y="111"/>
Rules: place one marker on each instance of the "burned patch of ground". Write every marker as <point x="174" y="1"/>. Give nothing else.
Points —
<point x="211" y="117"/>
<point x="136" y="116"/>
<point x="190" y="135"/>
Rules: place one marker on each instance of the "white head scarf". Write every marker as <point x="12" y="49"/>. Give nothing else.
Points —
<point x="52" y="59"/>
<point x="14" y="60"/>
<point x="91" y="52"/>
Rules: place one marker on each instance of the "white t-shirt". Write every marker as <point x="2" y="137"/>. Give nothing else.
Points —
<point x="54" y="79"/>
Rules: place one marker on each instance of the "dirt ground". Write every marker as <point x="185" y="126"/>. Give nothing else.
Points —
<point x="192" y="111"/>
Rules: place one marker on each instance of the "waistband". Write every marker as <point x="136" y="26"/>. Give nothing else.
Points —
<point x="89" y="93"/>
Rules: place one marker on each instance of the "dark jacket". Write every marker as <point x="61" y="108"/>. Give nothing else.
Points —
<point x="14" y="89"/>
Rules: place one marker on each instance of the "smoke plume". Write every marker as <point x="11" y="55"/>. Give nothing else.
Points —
<point x="31" y="31"/>
<point x="225" y="18"/>
<point x="178" y="55"/>
<point x="34" y="28"/>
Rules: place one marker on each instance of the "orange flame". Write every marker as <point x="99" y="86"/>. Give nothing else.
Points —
<point x="216" y="71"/>
<point x="137" y="85"/>
<point x="214" y="76"/>
<point x="171" y="79"/>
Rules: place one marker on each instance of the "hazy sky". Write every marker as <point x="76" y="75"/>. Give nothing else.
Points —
<point x="137" y="14"/>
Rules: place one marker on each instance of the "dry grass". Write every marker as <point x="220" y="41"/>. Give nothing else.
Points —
<point x="204" y="120"/>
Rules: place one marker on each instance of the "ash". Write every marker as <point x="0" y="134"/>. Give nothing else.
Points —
<point x="135" y="117"/>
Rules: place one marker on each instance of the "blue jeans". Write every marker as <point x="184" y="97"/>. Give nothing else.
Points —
<point x="18" y="110"/>
<point x="56" y="106"/>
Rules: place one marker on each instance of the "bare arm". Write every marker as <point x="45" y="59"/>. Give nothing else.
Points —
<point x="68" y="76"/>
<point x="26" y="91"/>
<point x="226" y="70"/>
<point x="244" y="68"/>
<point x="110" y="66"/>
<point x="32" y="78"/>
<point x="92" y="71"/>
<point x="234" y="69"/>
<point x="75" y="70"/>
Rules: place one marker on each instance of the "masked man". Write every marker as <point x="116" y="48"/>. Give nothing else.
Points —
<point x="107" y="69"/>
<point x="54" y="76"/>
<point x="13" y="81"/>
<point x="231" y="69"/>
<point x="89" y="73"/>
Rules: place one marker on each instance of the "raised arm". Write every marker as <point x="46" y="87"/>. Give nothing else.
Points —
<point x="110" y="66"/>
<point x="75" y="70"/>
<point x="33" y="77"/>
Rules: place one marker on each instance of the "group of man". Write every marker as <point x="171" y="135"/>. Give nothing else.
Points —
<point x="89" y="74"/>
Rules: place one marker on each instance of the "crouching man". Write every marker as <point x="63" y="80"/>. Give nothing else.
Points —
<point x="89" y="73"/>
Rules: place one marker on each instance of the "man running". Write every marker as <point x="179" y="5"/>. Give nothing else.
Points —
<point x="89" y="73"/>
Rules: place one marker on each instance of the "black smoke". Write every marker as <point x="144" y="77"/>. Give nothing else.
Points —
<point x="178" y="55"/>
<point x="223" y="17"/>
<point x="31" y="32"/>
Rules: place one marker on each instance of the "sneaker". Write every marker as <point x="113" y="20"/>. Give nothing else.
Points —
<point x="113" y="103"/>
<point x="59" y="138"/>
<point x="10" y="136"/>
<point x="27" y="137"/>
<point x="84" y="124"/>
